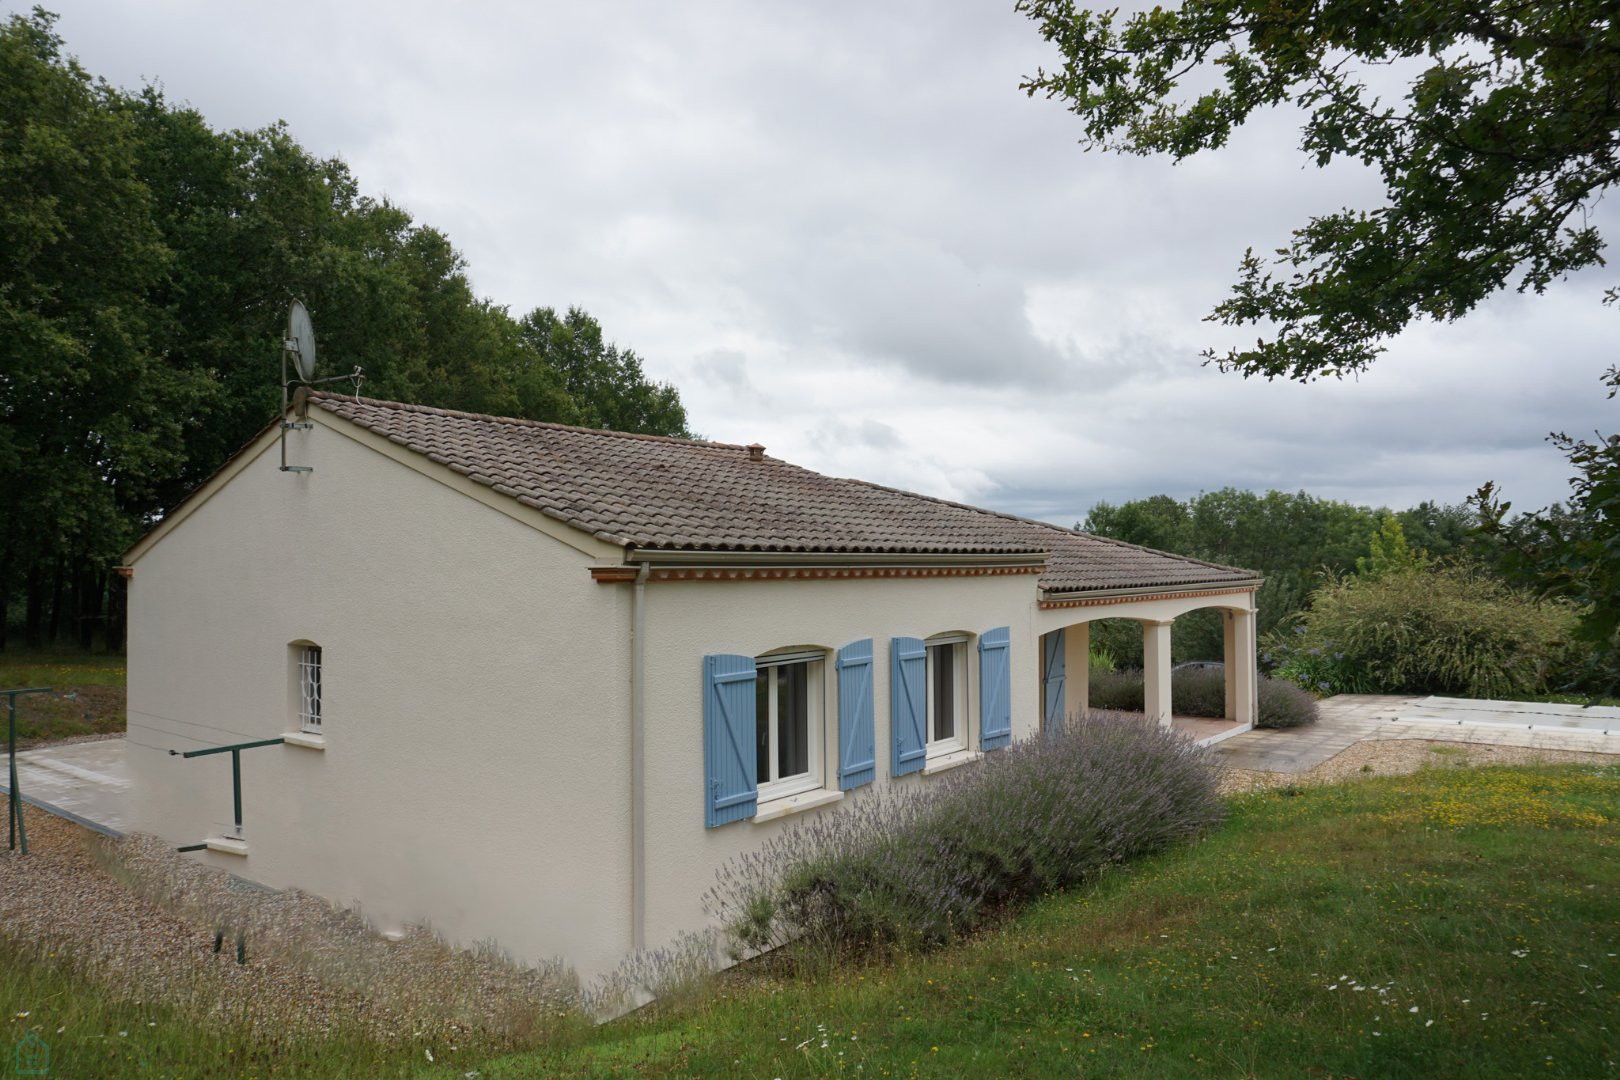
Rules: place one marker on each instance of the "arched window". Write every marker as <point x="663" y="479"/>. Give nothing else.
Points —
<point x="306" y="662"/>
<point x="947" y="694"/>
<point x="789" y="722"/>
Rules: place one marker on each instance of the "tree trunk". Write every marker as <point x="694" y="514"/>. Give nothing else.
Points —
<point x="5" y="595"/>
<point x="34" y="615"/>
<point x="115" y="612"/>
<point x="53" y="634"/>
<point x="91" y="589"/>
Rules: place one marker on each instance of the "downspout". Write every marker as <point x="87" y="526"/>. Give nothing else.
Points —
<point x="638" y="760"/>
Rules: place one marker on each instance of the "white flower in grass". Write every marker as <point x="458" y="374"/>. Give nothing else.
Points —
<point x="1520" y="953"/>
<point x="1428" y="1023"/>
<point x="429" y="1054"/>
<point x="1413" y="1009"/>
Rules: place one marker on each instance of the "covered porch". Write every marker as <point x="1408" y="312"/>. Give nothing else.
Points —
<point x="1065" y="627"/>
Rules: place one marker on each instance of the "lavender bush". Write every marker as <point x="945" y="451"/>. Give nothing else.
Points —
<point x="917" y="866"/>
<point x="1196" y="692"/>
<point x="1284" y="705"/>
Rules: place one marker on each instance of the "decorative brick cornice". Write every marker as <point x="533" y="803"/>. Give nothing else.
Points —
<point x="1099" y="601"/>
<point x="814" y="573"/>
<point x="612" y="575"/>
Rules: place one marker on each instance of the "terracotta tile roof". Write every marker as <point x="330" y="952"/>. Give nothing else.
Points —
<point x="653" y="492"/>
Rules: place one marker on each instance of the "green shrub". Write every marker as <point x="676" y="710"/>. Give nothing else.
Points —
<point x="1445" y="630"/>
<point x="918" y="865"/>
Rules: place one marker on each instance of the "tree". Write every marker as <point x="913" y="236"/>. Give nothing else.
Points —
<point x="606" y="383"/>
<point x="1290" y="538"/>
<point x="90" y="415"/>
<point x="146" y="264"/>
<point x="1508" y="133"/>
<point x="1388" y="552"/>
<point x="1575" y="553"/>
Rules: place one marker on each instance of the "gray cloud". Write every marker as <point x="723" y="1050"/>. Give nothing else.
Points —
<point x="843" y="231"/>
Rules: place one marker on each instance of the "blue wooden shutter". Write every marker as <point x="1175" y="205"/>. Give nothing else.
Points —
<point x="857" y="746"/>
<point x="908" y="701"/>
<point x="1053" y="681"/>
<point x="731" y="783"/>
<point x="995" y="689"/>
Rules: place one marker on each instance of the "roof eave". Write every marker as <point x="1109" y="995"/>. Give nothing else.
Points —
<point x="1152" y="590"/>
<point x="657" y="557"/>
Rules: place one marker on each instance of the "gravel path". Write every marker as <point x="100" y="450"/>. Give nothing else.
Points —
<point x="138" y="918"/>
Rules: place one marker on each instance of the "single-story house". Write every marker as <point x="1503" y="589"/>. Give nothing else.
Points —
<point x="535" y="683"/>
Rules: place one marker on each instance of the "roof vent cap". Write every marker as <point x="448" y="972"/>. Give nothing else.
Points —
<point x="756" y="451"/>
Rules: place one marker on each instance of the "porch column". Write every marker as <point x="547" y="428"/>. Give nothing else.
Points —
<point x="1077" y="668"/>
<point x="1156" y="671"/>
<point x="1249" y="666"/>
<point x="1242" y="660"/>
<point x="1229" y="655"/>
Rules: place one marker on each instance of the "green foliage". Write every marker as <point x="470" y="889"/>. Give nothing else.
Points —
<point x="605" y="382"/>
<point x="90" y="411"/>
<point x="1289" y="538"/>
<point x="146" y="264"/>
<point x="1388" y="552"/>
<point x="1100" y="659"/>
<point x="1449" y="629"/>
<point x="1506" y="136"/>
<point x="1574" y="553"/>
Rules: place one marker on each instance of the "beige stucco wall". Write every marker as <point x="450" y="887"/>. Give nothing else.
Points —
<point x="687" y="620"/>
<point x="476" y="773"/>
<point x="476" y="701"/>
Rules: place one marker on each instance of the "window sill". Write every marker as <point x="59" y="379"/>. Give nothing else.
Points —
<point x="795" y="804"/>
<point x="228" y="845"/>
<point x="305" y="739"/>
<point x="947" y="762"/>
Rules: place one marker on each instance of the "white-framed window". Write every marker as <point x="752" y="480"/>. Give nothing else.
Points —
<point x="307" y="657"/>
<point x="789" y="723"/>
<point x="947" y="694"/>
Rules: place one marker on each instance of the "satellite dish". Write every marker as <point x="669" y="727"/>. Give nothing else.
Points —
<point x="301" y="341"/>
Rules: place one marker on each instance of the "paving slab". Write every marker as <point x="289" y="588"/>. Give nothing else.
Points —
<point x="85" y="781"/>
<point x="1599" y="715"/>
<point x="1347" y="719"/>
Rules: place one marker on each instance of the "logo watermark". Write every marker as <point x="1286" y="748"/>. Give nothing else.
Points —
<point x="33" y="1056"/>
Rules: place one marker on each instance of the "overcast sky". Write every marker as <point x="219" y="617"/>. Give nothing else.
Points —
<point x="842" y="231"/>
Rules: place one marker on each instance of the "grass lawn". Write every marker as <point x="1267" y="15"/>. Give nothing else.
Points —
<point x="1446" y="923"/>
<point x="86" y="698"/>
<point x="1455" y="922"/>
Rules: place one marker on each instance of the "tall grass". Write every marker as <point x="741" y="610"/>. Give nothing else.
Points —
<point x="86" y="698"/>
